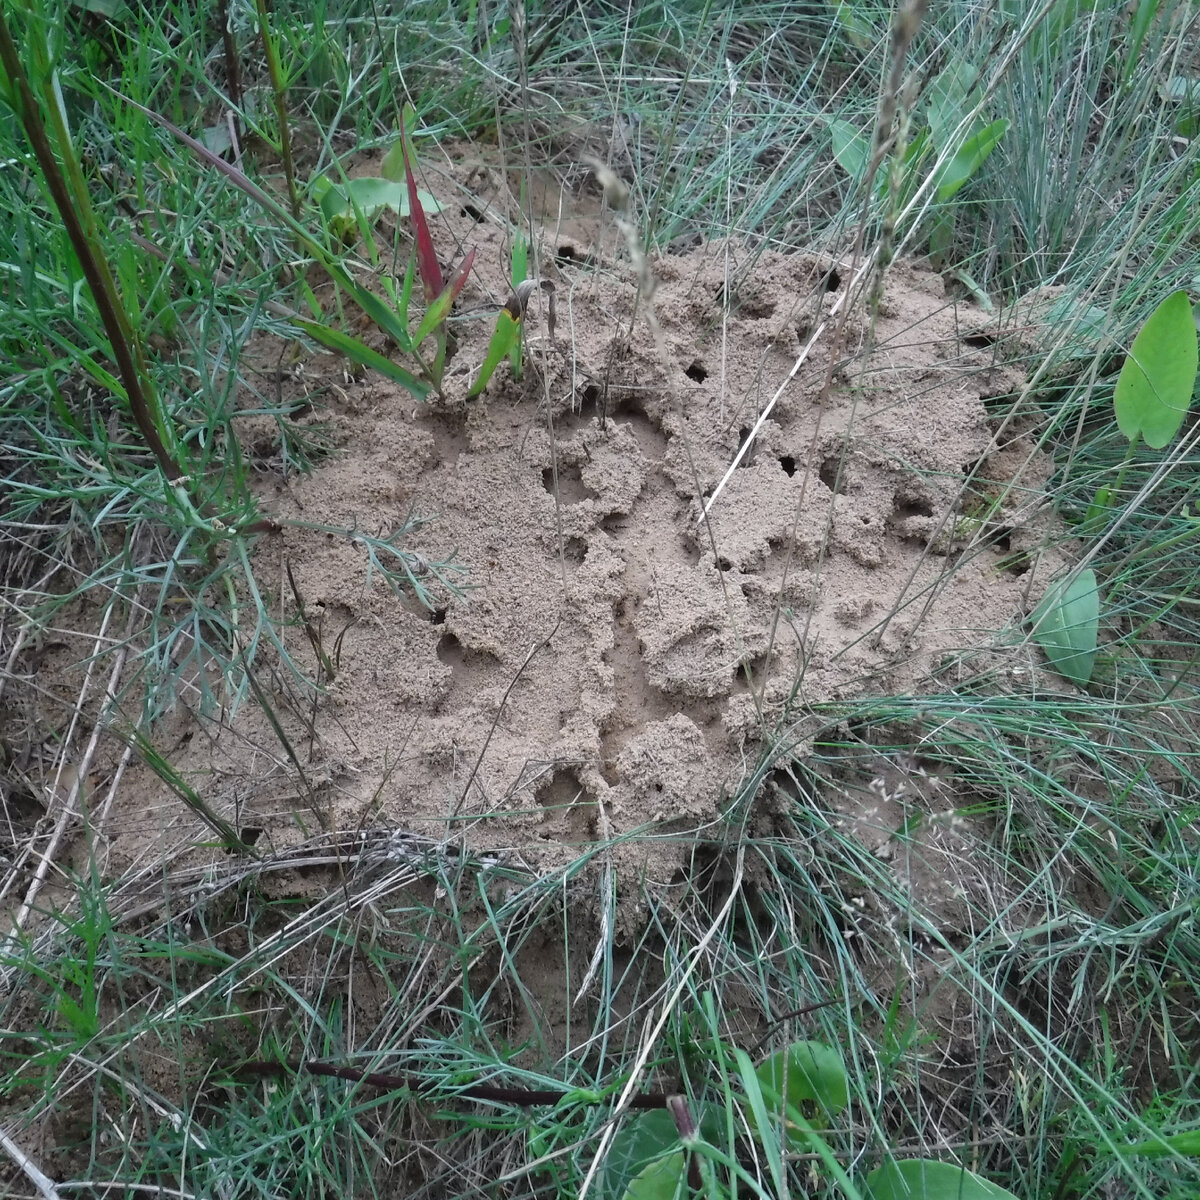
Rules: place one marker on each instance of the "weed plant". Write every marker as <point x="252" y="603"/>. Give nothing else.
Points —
<point x="157" y="1022"/>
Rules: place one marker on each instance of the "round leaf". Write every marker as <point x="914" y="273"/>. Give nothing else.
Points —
<point x="806" y="1071"/>
<point x="643" y="1139"/>
<point x="1065" y="626"/>
<point x="1154" y="390"/>
<point x="927" y="1179"/>
<point x="659" y="1180"/>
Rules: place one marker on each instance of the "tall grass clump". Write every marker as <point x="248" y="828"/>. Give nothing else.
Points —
<point x="999" y="988"/>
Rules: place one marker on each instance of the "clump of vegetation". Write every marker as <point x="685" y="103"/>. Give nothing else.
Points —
<point x="178" y="195"/>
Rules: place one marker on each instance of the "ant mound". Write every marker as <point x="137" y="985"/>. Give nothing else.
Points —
<point x="636" y="622"/>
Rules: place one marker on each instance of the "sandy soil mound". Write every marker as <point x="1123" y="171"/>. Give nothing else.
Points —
<point x="617" y="660"/>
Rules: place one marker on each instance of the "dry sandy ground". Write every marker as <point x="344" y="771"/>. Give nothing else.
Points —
<point x="617" y="662"/>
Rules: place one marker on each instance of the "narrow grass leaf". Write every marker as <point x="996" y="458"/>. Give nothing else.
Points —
<point x="361" y="353"/>
<point x="851" y="146"/>
<point x="1154" y="389"/>
<point x="760" y="1117"/>
<point x="439" y="310"/>
<point x="927" y="1179"/>
<point x="1065" y="625"/>
<point x="508" y="329"/>
<point x="1139" y="26"/>
<point x="1186" y="1142"/>
<point x="520" y="272"/>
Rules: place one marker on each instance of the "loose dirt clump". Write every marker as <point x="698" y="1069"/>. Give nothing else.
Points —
<point x="618" y="658"/>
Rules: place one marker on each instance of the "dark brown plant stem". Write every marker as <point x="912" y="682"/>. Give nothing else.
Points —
<point x="271" y="51"/>
<point x="80" y="224"/>
<point x="525" y="1097"/>
<point x="233" y="67"/>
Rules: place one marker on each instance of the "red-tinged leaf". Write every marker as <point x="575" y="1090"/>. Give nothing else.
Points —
<point x="427" y="260"/>
<point x="439" y="310"/>
<point x="508" y="328"/>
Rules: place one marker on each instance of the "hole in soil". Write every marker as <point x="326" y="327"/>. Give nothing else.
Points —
<point x="979" y="341"/>
<point x="723" y="564"/>
<point x="803" y="329"/>
<point x="450" y="651"/>
<point x="1015" y="564"/>
<point x="697" y="371"/>
<point x="788" y="463"/>
<point x="744" y="437"/>
<point x="250" y="834"/>
<point x="571" y="488"/>
<point x="1000" y="402"/>
<point x="904" y="507"/>
<point x="438" y="616"/>
<point x="831" y="475"/>
<point x="567" y="804"/>
<point x="613" y="524"/>
<point x="750" y="673"/>
<point x="832" y="280"/>
<point x="470" y="210"/>
<point x="754" y="307"/>
<point x="566" y="254"/>
<point x="632" y="410"/>
<point x="563" y="790"/>
<point x="590" y="394"/>
<point x="758" y="309"/>
<point x="575" y="549"/>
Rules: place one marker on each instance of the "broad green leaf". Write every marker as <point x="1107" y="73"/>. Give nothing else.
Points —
<point x="1065" y="625"/>
<point x="392" y="166"/>
<point x="807" y="1071"/>
<point x="1186" y="1142"/>
<point x="661" y="1180"/>
<point x="520" y="260"/>
<point x="927" y="1179"/>
<point x="977" y="290"/>
<point x="852" y="17"/>
<point x="644" y="1138"/>
<point x="370" y="193"/>
<point x="851" y="146"/>
<point x="1154" y="389"/>
<point x="362" y="354"/>
<point x="970" y="157"/>
<point x="941" y="238"/>
<point x="950" y="100"/>
<point x="508" y="329"/>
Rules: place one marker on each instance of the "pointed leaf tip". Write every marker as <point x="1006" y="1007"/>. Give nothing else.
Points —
<point x="439" y="310"/>
<point x="427" y="260"/>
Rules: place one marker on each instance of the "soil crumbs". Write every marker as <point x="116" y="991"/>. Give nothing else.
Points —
<point x="617" y="661"/>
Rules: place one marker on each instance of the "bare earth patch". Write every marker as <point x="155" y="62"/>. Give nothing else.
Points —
<point x="618" y="662"/>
